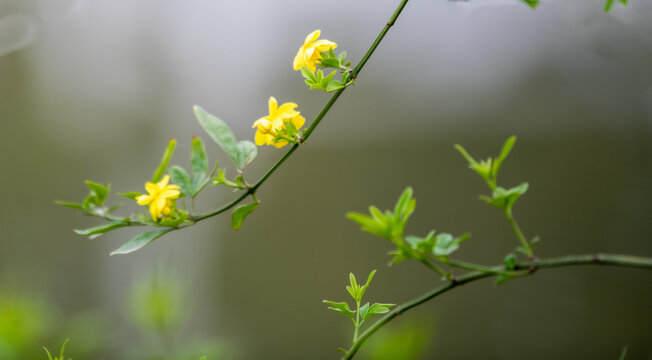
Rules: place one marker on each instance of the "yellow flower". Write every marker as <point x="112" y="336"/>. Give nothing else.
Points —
<point x="159" y="197"/>
<point x="277" y="119"/>
<point x="309" y="53"/>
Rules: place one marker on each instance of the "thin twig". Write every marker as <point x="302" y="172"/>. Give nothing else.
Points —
<point x="590" y="259"/>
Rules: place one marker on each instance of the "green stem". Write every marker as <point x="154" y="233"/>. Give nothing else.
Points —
<point x="519" y="234"/>
<point x="312" y="126"/>
<point x="478" y="268"/>
<point x="532" y="266"/>
<point x="357" y="321"/>
<point x="436" y="269"/>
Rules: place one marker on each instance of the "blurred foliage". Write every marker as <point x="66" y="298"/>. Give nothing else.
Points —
<point x="408" y="340"/>
<point x="157" y="306"/>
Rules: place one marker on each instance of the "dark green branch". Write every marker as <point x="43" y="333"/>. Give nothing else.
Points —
<point x="592" y="259"/>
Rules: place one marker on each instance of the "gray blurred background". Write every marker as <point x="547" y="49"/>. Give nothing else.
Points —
<point x="95" y="89"/>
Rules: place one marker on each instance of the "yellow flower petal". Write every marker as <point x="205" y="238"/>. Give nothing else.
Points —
<point x="298" y="121"/>
<point x="312" y="36"/>
<point x="273" y="105"/>
<point x="144" y="199"/>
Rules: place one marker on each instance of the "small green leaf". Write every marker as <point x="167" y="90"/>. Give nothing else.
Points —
<point x="240" y="213"/>
<point x="180" y="177"/>
<point x="341" y="307"/>
<point x="219" y="131"/>
<point x="342" y="57"/>
<point x="320" y="76"/>
<point x="202" y="358"/>
<point x="510" y="262"/>
<point x="327" y="79"/>
<point x="446" y="244"/>
<point x="99" y="191"/>
<point x="70" y="205"/>
<point x="198" y="160"/>
<point x="608" y="4"/>
<point x="165" y="160"/>
<point x="423" y="245"/>
<point x="140" y="241"/>
<point x="507" y="147"/>
<point x="502" y="278"/>
<point x="366" y="285"/>
<point x="130" y="195"/>
<point x="364" y="309"/>
<point x="354" y="289"/>
<point x="377" y="309"/>
<point x="333" y="86"/>
<point x="532" y="3"/>
<point x="316" y="86"/>
<point x="101" y="229"/>
<point x="345" y="77"/>
<point x="308" y="74"/>
<point x="330" y="63"/>
<point x="505" y="198"/>
<point x="247" y="152"/>
<point x="402" y="205"/>
<point x="623" y="354"/>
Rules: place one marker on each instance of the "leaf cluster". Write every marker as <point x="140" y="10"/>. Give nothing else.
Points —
<point x="361" y="313"/>
<point x="317" y="80"/>
<point x="391" y="226"/>
<point x="190" y="183"/>
<point x="501" y="197"/>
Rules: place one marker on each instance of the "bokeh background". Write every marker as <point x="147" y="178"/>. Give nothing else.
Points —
<point x="95" y="89"/>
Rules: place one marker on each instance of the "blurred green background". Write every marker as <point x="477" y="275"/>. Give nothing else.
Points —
<point x="95" y="89"/>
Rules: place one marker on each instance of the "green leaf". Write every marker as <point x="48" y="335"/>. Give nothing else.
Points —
<point x="608" y="4"/>
<point x="532" y="3"/>
<point x="219" y="131"/>
<point x="507" y="147"/>
<point x="326" y="80"/>
<point x="240" y="213"/>
<point x="202" y="358"/>
<point x="101" y="229"/>
<point x="402" y="205"/>
<point x="423" y="245"/>
<point x="364" y="309"/>
<point x="623" y="354"/>
<point x="446" y="244"/>
<point x="70" y="205"/>
<point x="333" y="86"/>
<point x="472" y="163"/>
<point x="331" y="63"/>
<point x="198" y="160"/>
<point x="369" y="224"/>
<point x="140" y="241"/>
<point x="505" y="198"/>
<point x="165" y="160"/>
<point x="502" y="278"/>
<point x="247" y="152"/>
<point x="366" y="285"/>
<point x="130" y="195"/>
<point x="345" y="77"/>
<point x="99" y="191"/>
<point x="377" y="309"/>
<point x="342" y="57"/>
<point x="510" y="262"/>
<point x="354" y="289"/>
<point x="320" y="76"/>
<point x="341" y="307"/>
<point x="180" y="177"/>
<point x="308" y="74"/>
